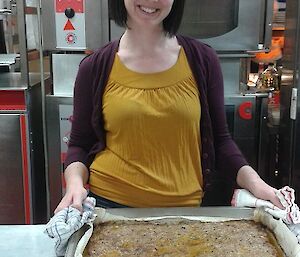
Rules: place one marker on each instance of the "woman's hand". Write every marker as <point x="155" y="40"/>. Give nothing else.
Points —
<point x="248" y="178"/>
<point x="76" y="176"/>
<point x="265" y="192"/>
<point x="74" y="197"/>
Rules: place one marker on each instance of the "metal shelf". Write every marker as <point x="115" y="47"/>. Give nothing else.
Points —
<point x="8" y="59"/>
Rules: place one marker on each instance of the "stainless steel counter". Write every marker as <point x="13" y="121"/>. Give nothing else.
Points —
<point x="23" y="186"/>
<point x="13" y="80"/>
<point x="25" y="240"/>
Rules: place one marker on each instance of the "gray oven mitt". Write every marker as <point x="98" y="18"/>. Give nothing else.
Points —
<point x="67" y="221"/>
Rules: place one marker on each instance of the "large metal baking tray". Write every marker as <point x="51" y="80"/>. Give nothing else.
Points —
<point x="234" y="213"/>
<point x="285" y="238"/>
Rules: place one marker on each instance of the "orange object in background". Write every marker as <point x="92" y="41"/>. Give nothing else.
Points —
<point x="277" y="43"/>
<point x="274" y="54"/>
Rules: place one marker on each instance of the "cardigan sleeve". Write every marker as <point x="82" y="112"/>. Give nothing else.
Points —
<point x="82" y="137"/>
<point x="228" y="156"/>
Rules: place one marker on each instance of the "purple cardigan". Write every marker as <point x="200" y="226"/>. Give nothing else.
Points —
<point x="220" y="155"/>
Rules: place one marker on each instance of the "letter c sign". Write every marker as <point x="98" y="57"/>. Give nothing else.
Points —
<point x="245" y="110"/>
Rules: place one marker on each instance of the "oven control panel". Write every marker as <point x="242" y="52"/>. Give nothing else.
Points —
<point x="70" y="24"/>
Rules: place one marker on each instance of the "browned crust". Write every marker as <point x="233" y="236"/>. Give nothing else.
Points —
<point x="172" y="238"/>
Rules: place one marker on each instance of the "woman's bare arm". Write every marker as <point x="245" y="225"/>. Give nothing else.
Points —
<point x="248" y="178"/>
<point x="76" y="176"/>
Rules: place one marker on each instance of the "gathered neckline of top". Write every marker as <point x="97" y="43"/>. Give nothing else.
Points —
<point x="180" y="72"/>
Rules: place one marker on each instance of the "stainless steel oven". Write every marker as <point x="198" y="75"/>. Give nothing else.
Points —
<point x="243" y="114"/>
<point x="234" y="28"/>
<point x="229" y="25"/>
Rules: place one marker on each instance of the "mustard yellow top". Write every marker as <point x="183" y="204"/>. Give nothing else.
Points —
<point x="152" y="157"/>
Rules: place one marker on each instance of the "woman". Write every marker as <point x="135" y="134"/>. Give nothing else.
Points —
<point x="149" y="126"/>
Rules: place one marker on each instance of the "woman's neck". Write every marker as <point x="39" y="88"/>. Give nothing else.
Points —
<point x="145" y="42"/>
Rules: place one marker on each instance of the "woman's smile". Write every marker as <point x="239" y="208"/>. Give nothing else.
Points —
<point x="147" y="10"/>
<point x="144" y="13"/>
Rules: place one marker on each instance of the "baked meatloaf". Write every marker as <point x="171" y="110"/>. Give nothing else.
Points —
<point x="182" y="238"/>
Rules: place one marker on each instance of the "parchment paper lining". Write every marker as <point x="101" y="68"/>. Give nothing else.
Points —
<point x="285" y="238"/>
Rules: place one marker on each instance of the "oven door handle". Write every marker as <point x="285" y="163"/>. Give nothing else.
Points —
<point x="268" y="24"/>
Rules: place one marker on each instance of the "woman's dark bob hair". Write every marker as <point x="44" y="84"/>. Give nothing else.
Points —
<point x="171" y="23"/>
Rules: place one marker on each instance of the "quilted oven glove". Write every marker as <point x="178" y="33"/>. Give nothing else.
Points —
<point x="67" y="221"/>
<point x="290" y="215"/>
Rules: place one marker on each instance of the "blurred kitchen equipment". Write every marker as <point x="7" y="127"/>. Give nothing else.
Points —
<point x="289" y="148"/>
<point x="269" y="80"/>
<point x="22" y="171"/>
